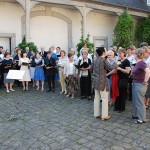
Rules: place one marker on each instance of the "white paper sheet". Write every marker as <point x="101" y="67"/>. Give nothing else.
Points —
<point x="15" y="74"/>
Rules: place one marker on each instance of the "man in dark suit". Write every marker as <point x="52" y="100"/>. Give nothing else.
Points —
<point x="43" y="53"/>
<point x="28" y="52"/>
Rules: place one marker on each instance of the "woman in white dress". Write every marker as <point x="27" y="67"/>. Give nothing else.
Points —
<point x="24" y="63"/>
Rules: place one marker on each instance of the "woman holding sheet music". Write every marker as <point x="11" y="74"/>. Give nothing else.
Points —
<point x="24" y="63"/>
<point x="39" y="71"/>
<point x="85" y="75"/>
<point x="7" y="65"/>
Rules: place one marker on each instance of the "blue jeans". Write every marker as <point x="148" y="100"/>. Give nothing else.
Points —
<point x="138" y="95"/>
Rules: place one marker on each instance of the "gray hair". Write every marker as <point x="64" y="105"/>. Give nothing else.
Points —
<point x="72" y="49"/>
<point x="110" y="52"/>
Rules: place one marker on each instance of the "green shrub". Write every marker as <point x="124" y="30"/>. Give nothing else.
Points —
<point x="143" y="31"/>
<point x="31" y="45"/>
<point x="90" y="45"/>
<point x="124" y="31"/>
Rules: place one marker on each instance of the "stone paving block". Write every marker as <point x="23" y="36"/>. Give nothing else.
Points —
<point x="49" y="121"/>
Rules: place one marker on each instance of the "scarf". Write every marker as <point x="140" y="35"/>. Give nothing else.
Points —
<point x="83" y="73"/>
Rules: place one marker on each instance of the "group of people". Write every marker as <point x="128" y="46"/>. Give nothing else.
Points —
<point x="125" y="76"/>
<point x="112" y="76"/>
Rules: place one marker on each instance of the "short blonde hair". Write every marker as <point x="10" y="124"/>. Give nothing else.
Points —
<point x="85" y="50"/>
<point x="140" y="53"/>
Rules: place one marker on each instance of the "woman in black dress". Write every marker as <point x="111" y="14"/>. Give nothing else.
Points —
<point x="7" y="65"/>
<point x="123" y="73"/>
<point x="85" y="75"/>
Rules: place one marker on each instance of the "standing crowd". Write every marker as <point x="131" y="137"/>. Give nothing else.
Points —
<point x="112" y="76"/>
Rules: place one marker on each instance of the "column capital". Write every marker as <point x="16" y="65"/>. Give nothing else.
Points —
<point x="32" y="4"/>
<point x="84" y="10"/>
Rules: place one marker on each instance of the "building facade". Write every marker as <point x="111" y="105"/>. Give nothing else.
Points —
<point x="59" y="22"/>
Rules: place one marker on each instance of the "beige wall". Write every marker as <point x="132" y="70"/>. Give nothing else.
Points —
<point x="101" y="25"/>
<point x="48" y="30"/>
<point x="10" y="19"/>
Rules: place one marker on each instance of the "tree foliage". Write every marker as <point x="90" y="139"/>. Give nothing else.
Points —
<point x="124" y="31"/>
<point x="31" y="45"/>
<point x="143" y="31"/>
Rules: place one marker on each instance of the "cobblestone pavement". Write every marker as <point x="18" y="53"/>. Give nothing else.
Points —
<point x="36" y="120"/>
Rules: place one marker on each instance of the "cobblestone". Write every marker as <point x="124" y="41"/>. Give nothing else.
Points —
<point x="36" y="120"/>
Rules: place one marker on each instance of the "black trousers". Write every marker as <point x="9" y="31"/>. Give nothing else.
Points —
<point x="51" y="81"/>
<point x="130" y="89"/>
<point x="121" y="99"/>
<point x="85" y="86"/>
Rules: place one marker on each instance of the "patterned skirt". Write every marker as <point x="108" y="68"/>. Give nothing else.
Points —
<point x="71" y="84"/>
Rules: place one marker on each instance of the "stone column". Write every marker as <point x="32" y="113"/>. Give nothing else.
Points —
<point x="27" y="20"/>
<point x="84" y="12"/>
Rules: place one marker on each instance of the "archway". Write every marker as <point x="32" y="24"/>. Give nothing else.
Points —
<point x="47" y="30"/>
<point x="48" y="12"/>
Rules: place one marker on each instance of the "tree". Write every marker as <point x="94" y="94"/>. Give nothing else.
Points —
<point x="31" y="45"/>
<point x="143" y="31"/>
<point x="124" y="31"/>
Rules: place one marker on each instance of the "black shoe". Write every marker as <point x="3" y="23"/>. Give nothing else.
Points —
<point x="132" y="117"/>
<point x="48" y="90"/>
<point x="53" y="90"/>
<point x="82" y="97"/>
<point x="120" y="111"/>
